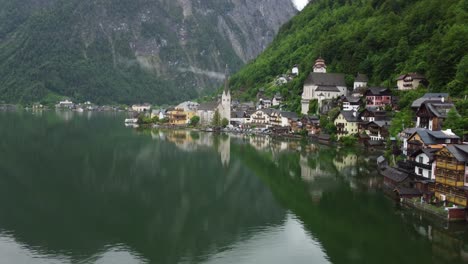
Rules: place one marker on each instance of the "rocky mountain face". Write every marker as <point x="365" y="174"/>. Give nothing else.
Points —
<point x="125" y="51"/>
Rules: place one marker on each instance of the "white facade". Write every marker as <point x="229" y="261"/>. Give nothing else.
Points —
<point x="424" y="159"/>
<point x="347" y="106"/>
<point x="359" y="84"/>
<point x="295" y="70"/>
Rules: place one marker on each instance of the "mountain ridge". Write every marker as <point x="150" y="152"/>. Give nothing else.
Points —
<point x="126" y="51"/>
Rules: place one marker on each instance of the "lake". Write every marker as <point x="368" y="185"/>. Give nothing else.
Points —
<point x="82" y="188"/>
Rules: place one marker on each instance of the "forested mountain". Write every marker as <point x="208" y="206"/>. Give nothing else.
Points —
<point x="382" y="38"/>
<point x="123" y="51"/>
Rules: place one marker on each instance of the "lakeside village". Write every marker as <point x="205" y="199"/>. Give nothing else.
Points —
<point x="430" y="172"/>
<point x="425" y="164"/>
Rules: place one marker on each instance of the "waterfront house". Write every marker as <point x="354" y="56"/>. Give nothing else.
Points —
<point x="431" y="115"/>
<point x="206" y="112"/>
<point x="410" y="81"/>
<point x="311" y="124"/>
<point x="370" y="114"/>
<point x="321" y="85"/>
<point x="423" y="162"/>
<point x="451" y="174"/>
<point x="180" y="116"/>
<point x="261" y="117"/>
<point x="65" y="104"/>
<point x="376" y="130"/>
<point x="347" y="123"/>
<point x="395" y="178"/>
<point x="140" y="108"/>
<point x="239" y="117"/>
<point x="425" y="138"/>
<point x="378" y="97"/>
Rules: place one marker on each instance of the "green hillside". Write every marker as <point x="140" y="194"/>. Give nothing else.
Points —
<point x="382" y="38"/>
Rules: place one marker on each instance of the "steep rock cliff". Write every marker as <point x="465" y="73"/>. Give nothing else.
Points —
<point x="129" y="50"/>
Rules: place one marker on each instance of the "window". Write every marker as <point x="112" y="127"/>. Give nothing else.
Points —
<point x="420" y="171"/>
<point x="421" y="160"/>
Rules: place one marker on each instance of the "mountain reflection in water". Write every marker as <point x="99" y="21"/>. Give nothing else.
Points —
<point x="80" y="188"/>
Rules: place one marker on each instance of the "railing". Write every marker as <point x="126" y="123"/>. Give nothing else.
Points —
<point x="450" y="181"/>
<point x="420" y="165"/>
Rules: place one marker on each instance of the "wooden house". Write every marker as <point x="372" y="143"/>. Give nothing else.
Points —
<point x="451" y="174"/>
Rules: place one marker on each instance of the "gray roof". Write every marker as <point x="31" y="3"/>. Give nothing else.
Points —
<point x="207" y="106"/>
<point x="349" y="116"/>
<point x="352" y="99"/>
<point x="326" y="88"/>
<point x="434" y="137"/>
<point x="237" y="114"/>
<point x="361" y="78"/>
<point x="433" y="97"/>
<point x="289" y="115"/>
<point x="460" y="152"/>
<point x="428" y="151"/>
<point x="381" y="123"/>
<point x="440" y="109"/>
<point x="326" y="79"/>
<point x="394" y="174"/>
<point x="413" y="75"/>
<point x="377" y="91"/>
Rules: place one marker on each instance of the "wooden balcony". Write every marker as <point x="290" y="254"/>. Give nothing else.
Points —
<point x="450" y="166"/>
<point x="449" y="181"/>
<point x="458" y="199"/>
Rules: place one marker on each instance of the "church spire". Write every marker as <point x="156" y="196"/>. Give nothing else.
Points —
<point x="226" y="80"/>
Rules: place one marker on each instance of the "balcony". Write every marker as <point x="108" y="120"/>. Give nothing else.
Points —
<point x="420" y="165"/>
<point x="449" y="181"/>
<point x="450" y="166"/>
<point x="456" y="198"/>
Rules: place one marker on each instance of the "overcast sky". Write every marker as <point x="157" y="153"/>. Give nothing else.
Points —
<point x="300" y="3"/>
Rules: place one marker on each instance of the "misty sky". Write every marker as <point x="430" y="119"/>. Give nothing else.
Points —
<point x="300" y="3"/>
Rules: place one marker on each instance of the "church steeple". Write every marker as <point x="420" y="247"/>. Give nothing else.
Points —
<point x="226" y="80"/>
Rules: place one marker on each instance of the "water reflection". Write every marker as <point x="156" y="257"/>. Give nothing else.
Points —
<point x="88" y="190"/>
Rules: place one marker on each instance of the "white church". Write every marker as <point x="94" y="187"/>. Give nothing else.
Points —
<point x="321" y="85"/>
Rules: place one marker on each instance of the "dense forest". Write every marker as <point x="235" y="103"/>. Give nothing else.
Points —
<point x="382" y="38"/>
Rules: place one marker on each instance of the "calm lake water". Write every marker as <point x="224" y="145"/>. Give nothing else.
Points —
<point x="82" y="188"/>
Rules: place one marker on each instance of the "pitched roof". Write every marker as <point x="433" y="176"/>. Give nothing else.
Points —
<point x="413" y="75"/>
<point x="433" y="97"/>
<point x="377" y="91"/>
<point x="289" y="115"/>
<point x="350" y="116"/>
<point x="208" y="106"/>
<point x="361" y="78"/>
<point x="440" y="109"/>
<point x="434" y="137"/>
<point x="326" y="88"/>
<point x="460" y="152"/>
<point x="326" y="79"/>
<point x="237" y="114"/>
<point x="352" y="99"/>
<point x="394" y="174"/>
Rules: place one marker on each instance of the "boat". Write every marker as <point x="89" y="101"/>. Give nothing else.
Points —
<point x="131" y="120"/>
